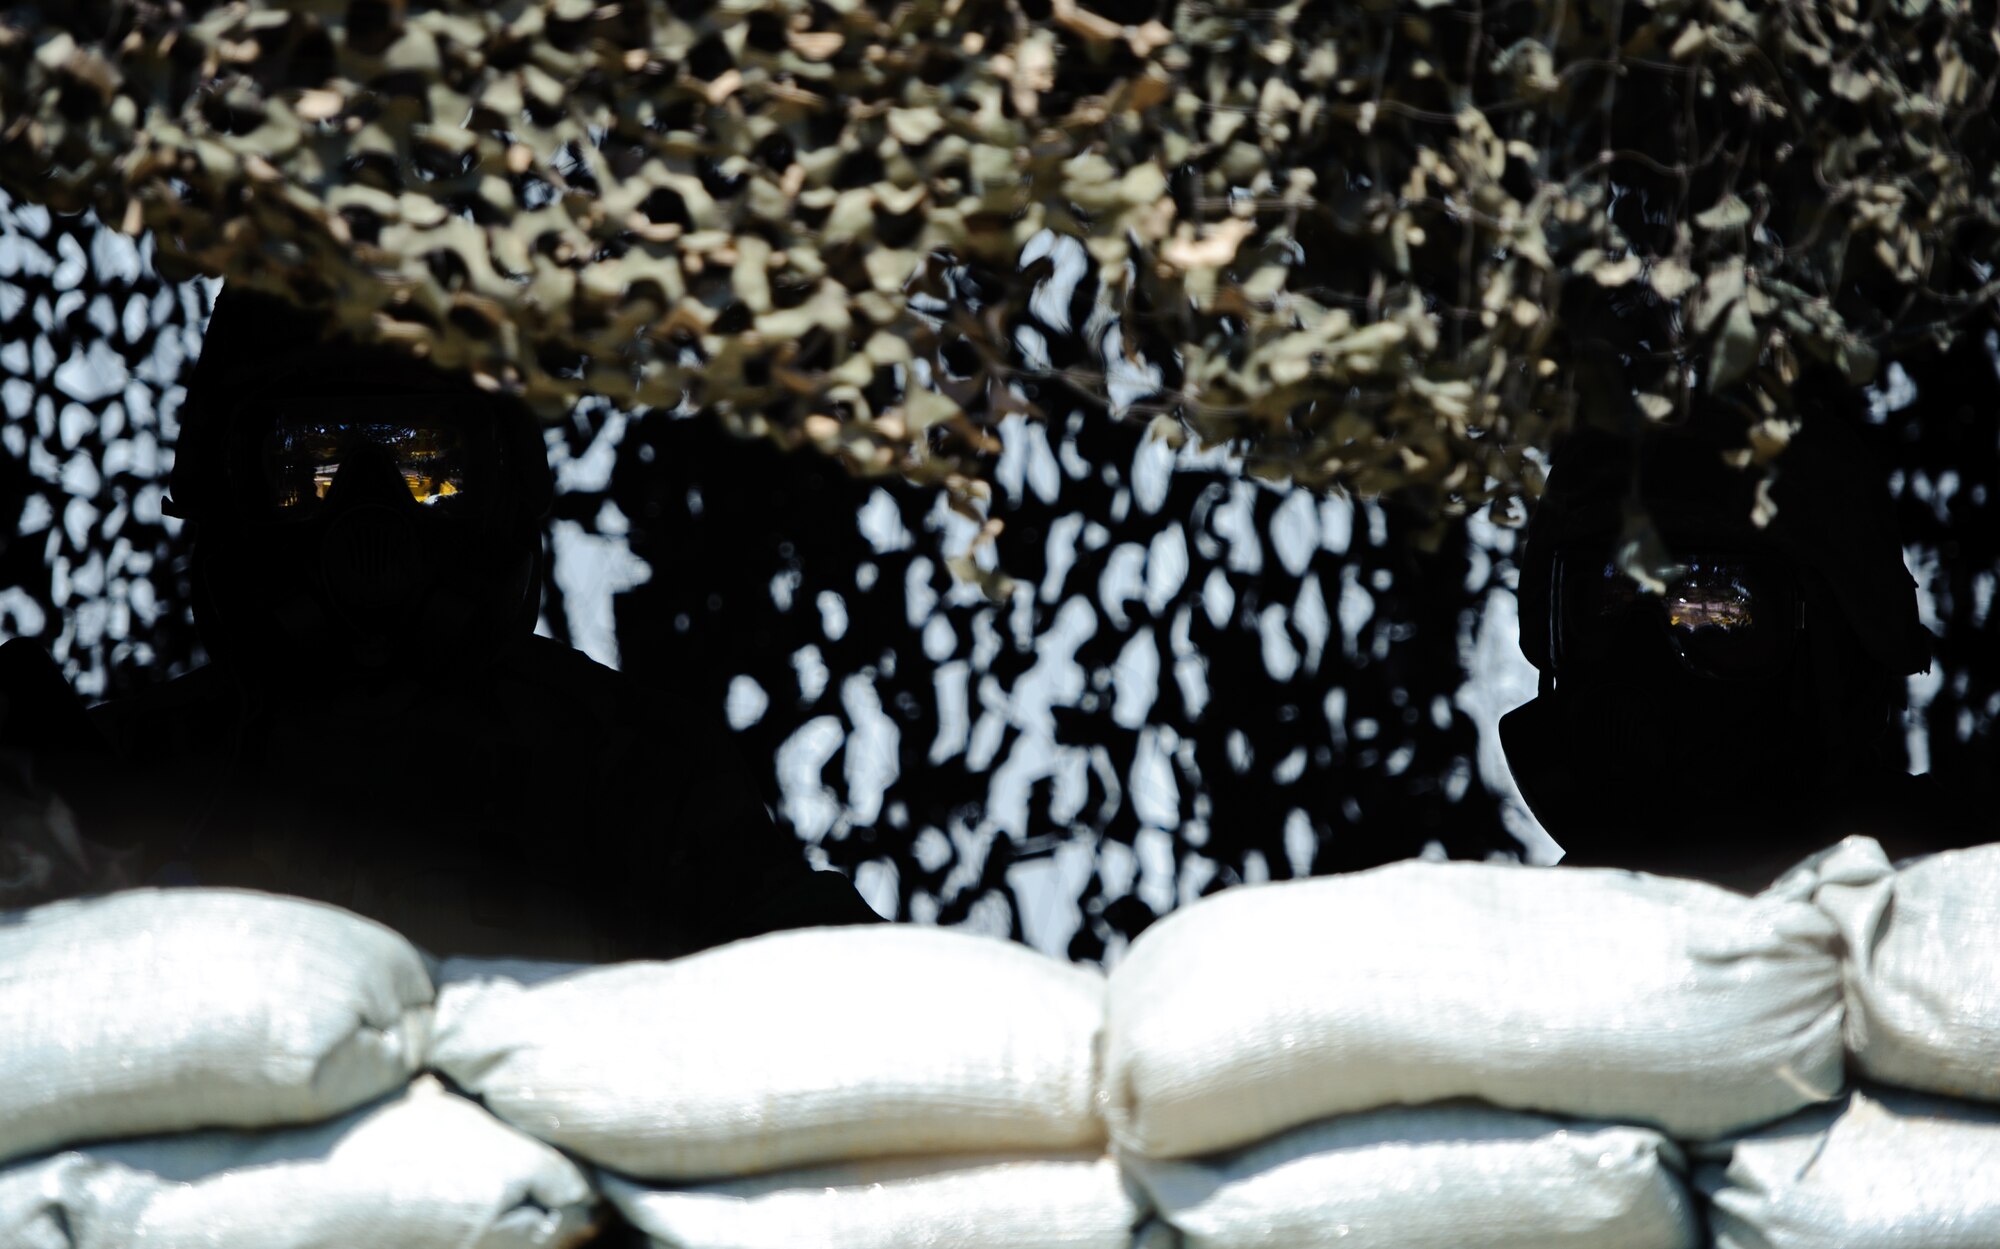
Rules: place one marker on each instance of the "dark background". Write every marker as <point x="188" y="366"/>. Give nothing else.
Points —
<point x="1199" y="679"/>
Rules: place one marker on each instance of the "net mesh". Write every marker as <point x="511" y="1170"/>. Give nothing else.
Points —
<point x="1195" y="679"/>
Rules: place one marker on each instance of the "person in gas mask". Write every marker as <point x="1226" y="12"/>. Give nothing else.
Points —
<point x="1743" y="711"/>
<point x="379" y="727"/>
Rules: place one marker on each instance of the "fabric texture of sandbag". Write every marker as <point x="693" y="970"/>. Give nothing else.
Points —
<point x="424" y="1170"/>
<point x="1026" y="1203"/>
<point x="787" y="1050"/>
<point x="1456" y="1176"/>
<point x="1888" y="1170"/>
<point x="1922" y="964"/>
<point x="1593" y="993"/>
<point x="160" y="1010"/>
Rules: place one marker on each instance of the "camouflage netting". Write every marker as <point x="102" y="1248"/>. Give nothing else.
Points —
<point x="1382" y="244"/>
<point x="1374" y="245"/>
<point x="1195" y="680"/>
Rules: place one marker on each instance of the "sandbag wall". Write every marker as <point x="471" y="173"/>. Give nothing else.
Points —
<point x="1423" y="1055"/>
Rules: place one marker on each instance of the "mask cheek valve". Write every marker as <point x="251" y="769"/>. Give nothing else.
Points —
<point x="1619" y="728"/>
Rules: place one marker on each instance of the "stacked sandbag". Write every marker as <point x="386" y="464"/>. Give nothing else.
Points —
<point x="422" y="1170"/>
<point x="1886" y="1167"/>
<point x="1922" y="964"/>
<point x="463" y="969"/>
<point x="798" y="1048"/>
<point x="164" y="1010"/>
<point x="1453" y="1176"/>
<point x="1595" y="994"/>
<point x="962" y="1203"/>
<point x="1884" y="1170"/>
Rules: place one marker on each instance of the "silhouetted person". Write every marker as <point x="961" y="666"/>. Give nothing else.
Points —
<point x="1749" y="713"/>
<point x="379" y="727"/>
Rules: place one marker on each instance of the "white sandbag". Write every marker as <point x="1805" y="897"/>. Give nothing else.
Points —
<point x="1044" y="1203"/>
<point x="787" y="1050"/>
<point x="1886" y="1171"/>
<point x="163" y="1010"/>
<point x="463" y="981"/>
<point x="1458" y="1176"/>
<point x="424" y="1170"/>
<point x="1599" y="994"/>
<point x="1924" y="961"/>
<point x="475" y="969"/>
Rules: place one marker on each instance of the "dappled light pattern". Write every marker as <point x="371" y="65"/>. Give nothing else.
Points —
<point x="1184" y="679"/>
<point x="92" y="343"/>
<point x="1195" y="680"/>
<point x="1940" y="422"/>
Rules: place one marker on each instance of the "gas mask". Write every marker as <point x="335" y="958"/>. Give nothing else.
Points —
<point x="370" y="534"/>
<point x="1751" y="691"/>
<point x="1675" y="713"/>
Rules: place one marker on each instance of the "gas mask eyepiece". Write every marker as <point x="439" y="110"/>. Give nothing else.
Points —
<point x="390" y="529"/>
<point x="309" y="450"/>
<point x="1724" y="614"/>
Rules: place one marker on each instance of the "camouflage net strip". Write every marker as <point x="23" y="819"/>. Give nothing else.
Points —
<point x="1380" y="244"/>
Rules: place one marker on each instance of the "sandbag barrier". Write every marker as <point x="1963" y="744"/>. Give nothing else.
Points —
<point x="1450" y="1055"/>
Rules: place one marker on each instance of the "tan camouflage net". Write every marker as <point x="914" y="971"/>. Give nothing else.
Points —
<point x="1368" y="242"/>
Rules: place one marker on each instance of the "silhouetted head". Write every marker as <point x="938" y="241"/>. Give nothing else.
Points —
<point x="1735" y="704"/>
<point x="356" y="510"/>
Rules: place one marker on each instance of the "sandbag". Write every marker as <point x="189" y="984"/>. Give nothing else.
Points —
<point x="790" y="1049"/>
<point x="1887" y="1170"/>
<point x="163" y="1010"/>
<point x="423" y="1170"/>
<point x="1923" y="963"/>
<point x="1598" y="994"/>
<point x="478" y="969"/>
<point x="1457" y="1176"/>
<point x="1028" y="1203"/>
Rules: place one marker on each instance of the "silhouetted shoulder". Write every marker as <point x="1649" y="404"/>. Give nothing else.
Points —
<point x="687" y="805"/>
<point x="603" y="693"/>
<point x="178" y="719"/>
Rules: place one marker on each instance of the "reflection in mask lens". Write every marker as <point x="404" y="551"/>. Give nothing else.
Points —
<point x="1711" y="595"/>
<point x="1725" y="614"/>
<point x="302" y="461"/>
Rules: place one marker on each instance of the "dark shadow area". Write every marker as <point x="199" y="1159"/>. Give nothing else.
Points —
<point x="1199" y="679"/>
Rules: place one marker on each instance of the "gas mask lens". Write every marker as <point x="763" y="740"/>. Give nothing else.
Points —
<point x="1724" y="615"/>
<point x="303" y="459"/>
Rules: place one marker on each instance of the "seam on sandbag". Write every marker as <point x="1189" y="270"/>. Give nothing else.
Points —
<point x="1857" y="967"/>
<point x="451" y="1085"/>
<point x="1122" y="1128"/>
<point x="1146" y="1211"/>
<point x="1819" y="1150"/>
<point x="1878" y="931"/>
<point x="585" y="1232"/>
<point x="59" y="1218"/>
<point x="466" y="1075"/>
<point x="354" y="1037"/>
<point x="1100" y="1095"/>
<point x="1141" y="1231"/>
<point x="524" y="1202"/>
